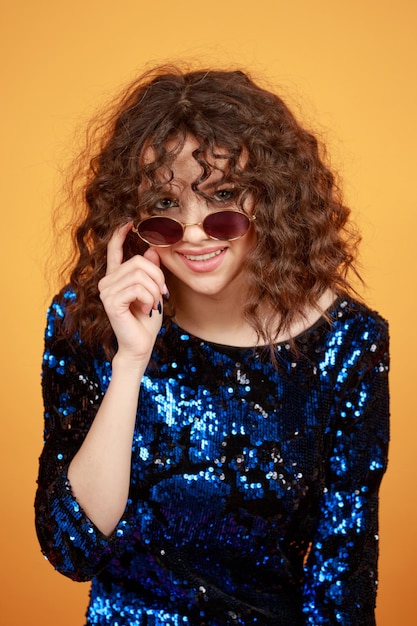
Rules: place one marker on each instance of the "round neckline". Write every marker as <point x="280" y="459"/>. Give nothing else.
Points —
<point x="301" y="337"/>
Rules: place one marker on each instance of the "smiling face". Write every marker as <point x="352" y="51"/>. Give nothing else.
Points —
<point x="198" y="264"/>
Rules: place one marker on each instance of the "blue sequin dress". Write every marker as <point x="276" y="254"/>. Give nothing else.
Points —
<point x="254" y="489"/>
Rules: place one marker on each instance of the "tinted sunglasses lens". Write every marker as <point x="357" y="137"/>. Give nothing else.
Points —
<point x="226" y="225"/>
<point x="160" y="231"/>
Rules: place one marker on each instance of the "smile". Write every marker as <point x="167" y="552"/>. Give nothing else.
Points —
<point x="203" y="257"/>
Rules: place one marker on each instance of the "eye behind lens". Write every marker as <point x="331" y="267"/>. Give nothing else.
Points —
<point x="226" y="225"/>
<point x="160" y="231"/>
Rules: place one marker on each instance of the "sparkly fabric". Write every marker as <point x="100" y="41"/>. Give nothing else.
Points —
<point x="254" y="490"/>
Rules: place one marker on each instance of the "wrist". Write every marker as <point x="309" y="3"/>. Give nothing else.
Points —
<point x="129" y="364"/>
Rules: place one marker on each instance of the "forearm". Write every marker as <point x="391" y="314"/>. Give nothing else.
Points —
<point x="100" y="471"/>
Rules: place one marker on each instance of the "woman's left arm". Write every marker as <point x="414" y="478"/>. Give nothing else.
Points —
<point x="341" y="569"/>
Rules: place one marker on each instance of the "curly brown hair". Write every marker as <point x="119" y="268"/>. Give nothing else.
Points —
<point x="305" y="242"/>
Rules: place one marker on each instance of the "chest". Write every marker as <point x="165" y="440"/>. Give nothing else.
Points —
<point x="228" y="425"/>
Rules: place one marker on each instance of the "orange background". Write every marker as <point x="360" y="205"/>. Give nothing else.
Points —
<point x="351" y="66"/>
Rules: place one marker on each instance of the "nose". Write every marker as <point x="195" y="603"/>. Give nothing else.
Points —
<point x="194" y="232"/>
<point x="193" y="211"/>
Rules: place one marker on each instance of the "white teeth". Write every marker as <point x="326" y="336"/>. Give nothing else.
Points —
<point x="202" y="257"/>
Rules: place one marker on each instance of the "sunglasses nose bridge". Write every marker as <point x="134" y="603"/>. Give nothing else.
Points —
<point x="186" y="226"/>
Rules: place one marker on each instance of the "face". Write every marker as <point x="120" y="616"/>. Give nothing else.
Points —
<point x="198" y="264"/>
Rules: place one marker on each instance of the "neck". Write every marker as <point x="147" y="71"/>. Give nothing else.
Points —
<point x="216" y="318"/>
<point x="219" y="318"/>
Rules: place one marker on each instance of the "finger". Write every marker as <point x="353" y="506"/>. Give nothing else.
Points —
<point x="137" y="269"/>
<point x="137" y="273"/>
<point x="115" y="247"/>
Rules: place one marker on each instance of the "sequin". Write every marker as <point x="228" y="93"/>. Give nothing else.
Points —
<point x="254" y="490"/>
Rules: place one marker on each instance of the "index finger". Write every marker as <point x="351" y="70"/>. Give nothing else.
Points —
<point x="115" y="247"/>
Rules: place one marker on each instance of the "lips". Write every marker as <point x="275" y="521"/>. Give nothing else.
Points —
<point x="205" y="261"/>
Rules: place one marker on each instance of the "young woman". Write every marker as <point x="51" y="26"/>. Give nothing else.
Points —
<point x="216" y="404"/>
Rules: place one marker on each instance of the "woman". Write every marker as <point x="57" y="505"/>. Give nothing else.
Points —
<point x="216" y="404"/>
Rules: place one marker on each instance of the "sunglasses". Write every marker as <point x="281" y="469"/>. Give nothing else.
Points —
<point x="226" y="225"/>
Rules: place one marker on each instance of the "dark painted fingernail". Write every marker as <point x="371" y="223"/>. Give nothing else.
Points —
<point x="159" y="307"/>
<point x="150" y="313"/>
